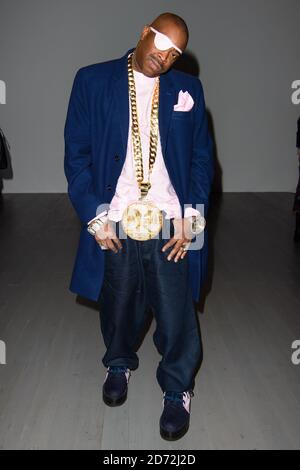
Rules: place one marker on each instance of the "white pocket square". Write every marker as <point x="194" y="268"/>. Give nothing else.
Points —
<point x="185" y="102"/>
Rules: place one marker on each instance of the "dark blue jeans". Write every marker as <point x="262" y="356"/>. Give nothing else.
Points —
<point x="140" y="277"/>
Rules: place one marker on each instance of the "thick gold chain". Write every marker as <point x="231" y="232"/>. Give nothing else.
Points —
<point x="142" y="220"/>
<point x="135" y="132"/>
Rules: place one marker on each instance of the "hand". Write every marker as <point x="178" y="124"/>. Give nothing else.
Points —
<point x="182" y="236"/>
<point x="106" y="237"/>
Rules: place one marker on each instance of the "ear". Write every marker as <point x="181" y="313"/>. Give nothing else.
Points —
<point x="146" y="30"/>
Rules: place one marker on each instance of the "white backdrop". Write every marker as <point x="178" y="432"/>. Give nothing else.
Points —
<point x="247" y="53"/>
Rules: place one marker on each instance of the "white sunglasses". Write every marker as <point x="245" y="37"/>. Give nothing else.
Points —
<point x="162" y="42"/>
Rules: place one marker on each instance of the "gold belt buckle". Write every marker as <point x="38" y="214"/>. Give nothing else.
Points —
<point x="142" y="220"/>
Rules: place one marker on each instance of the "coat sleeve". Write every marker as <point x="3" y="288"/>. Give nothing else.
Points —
<point x="78" y="165"/>
<point x="202" y="166"/>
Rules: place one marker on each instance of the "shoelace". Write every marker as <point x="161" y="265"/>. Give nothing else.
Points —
<point x="116" y="369"/>
<point x="178" y="397"/>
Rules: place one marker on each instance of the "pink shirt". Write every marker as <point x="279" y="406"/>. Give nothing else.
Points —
<point x="127" y="191"/>
<point x="161" y="192"/>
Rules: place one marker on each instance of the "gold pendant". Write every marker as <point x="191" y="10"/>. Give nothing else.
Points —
<point x="142" y="220"/>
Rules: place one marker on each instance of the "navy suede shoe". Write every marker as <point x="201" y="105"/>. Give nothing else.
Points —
<point x="175" y="419"/>
<point x="115" y="385"/>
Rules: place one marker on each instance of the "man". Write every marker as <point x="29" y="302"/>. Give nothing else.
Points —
<point x="138" y="151"/>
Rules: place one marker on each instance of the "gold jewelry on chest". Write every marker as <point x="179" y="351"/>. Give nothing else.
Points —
<point x="142" y="220"/>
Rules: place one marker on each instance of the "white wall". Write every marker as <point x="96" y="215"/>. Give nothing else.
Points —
<point x="248" y="55"/>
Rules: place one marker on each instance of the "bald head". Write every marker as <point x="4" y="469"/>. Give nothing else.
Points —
<point x="169" y="21"/>
<point x="152" y="61"/>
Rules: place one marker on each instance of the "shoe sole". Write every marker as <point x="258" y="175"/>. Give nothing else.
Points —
<point x="114" y="402"/>
<point x="173" y="436"/>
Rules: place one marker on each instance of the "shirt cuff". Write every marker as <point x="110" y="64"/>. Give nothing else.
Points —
<point x="189" y="211"/>
<point x="101" y="216"/>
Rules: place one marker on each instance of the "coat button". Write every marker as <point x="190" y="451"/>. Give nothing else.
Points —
<point x="117" y="158"/>
<point x="108" y="187"/>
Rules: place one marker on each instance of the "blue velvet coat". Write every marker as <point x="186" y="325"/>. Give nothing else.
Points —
<point x="96" y="133"/>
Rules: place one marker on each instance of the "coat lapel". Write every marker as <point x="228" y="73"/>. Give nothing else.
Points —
<point x="166" y="103"/>
<point x="122" y="99"/>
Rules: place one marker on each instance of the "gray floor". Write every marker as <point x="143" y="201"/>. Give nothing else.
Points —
<point x="247" y="393"/>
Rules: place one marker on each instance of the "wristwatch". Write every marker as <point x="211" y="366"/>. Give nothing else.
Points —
<point x="96" y="223"/>
<point x="197" y="224"/>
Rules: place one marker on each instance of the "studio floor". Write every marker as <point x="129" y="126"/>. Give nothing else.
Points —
<point x="247" y="393"/>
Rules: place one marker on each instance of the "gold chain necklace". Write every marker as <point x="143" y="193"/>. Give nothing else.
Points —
<point x="142" y="220"/>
